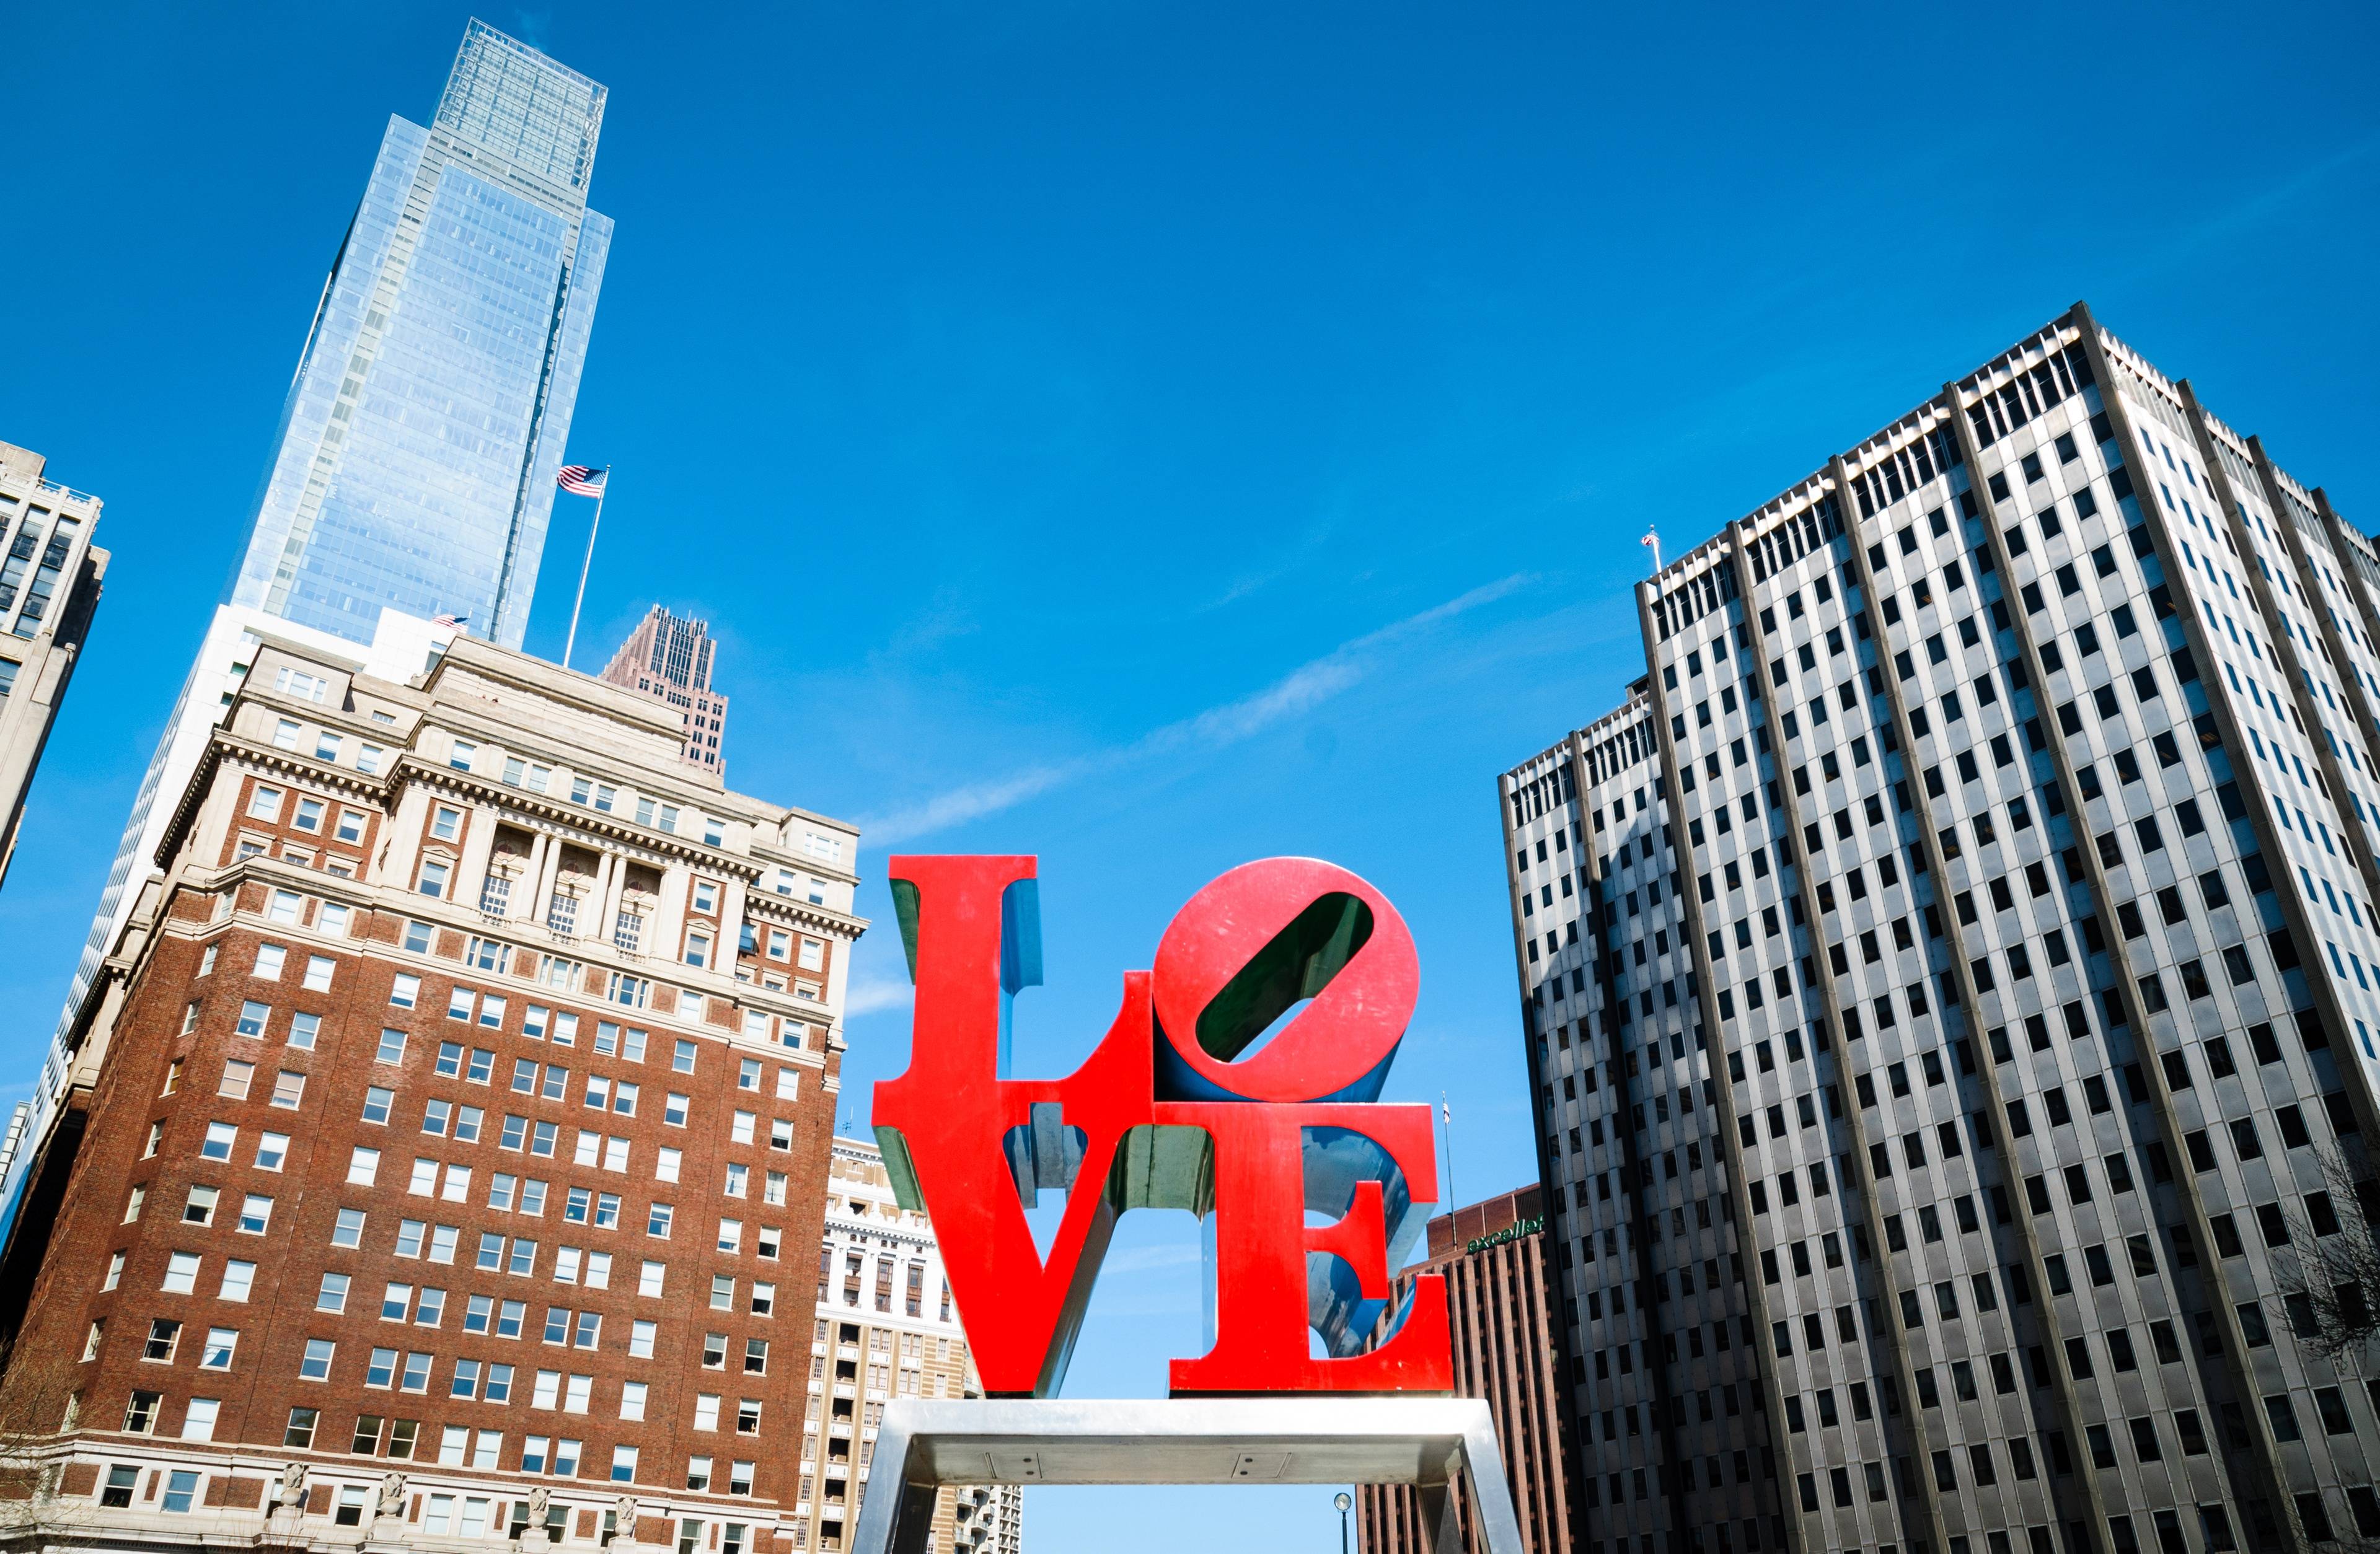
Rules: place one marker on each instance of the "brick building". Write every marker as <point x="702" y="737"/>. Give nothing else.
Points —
<point x="457" y="1137"/>
<point x="885" y="1305"/>
<point x="1500" y="1293"/>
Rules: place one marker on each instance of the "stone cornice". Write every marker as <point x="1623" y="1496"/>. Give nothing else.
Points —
<point x="525" y="938"/>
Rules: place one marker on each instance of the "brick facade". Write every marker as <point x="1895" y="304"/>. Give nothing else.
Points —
<point x="1500" y="1296"/>
<point x="449" y="1214"/>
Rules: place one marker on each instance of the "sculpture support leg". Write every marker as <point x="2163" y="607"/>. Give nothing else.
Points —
<point x="1491" y="1493"/>
<point x="914" y="1526"/>
<point x="1440" y="1518"/>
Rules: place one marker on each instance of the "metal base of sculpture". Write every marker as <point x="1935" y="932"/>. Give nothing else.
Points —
<point x="1426" y="1442"/>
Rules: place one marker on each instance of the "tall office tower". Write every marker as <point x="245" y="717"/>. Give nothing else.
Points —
<point x="412" y="472"/>
<point x="886" y="1328"/>
<point x="668" y="658"/>
<point x="2019" y="788"/>
<point x="1502" y="1296"/>
<point x="1674" y="1436"/>
<point x="461" y="1144"/>
<point x="50" y="577"/>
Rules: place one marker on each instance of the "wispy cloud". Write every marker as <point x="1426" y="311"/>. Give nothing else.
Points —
<point x="1298" y="692"/>
<point x="868" y="995"/>
<point x="2272" y="201"/>
<point x="1153" y="1259"/>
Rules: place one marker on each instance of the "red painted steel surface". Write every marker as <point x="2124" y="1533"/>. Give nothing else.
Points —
<point x="1287" y="1127"/>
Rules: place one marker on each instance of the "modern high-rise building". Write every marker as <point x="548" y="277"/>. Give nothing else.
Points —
<point x="50" y="579"/>
<point x="887" y="1329"/>
<point x="411" y="474"/>
<point x="1949" y="986"/>
<point x="1502" y="1297"/>
<point x="1646" y="1241"/>
<point x="668" y="658"/>
<point x="414" y="466"/>
<point x="460" y="1146"/>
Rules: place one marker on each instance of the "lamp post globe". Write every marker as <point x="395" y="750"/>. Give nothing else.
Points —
<point x="1345" y="1502"/>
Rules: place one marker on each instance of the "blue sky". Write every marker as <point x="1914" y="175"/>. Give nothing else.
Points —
<point x="1156" y="436"/>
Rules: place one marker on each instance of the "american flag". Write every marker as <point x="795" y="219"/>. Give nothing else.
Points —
<point x="581" y="480"/>
<point x="454" y="622"/>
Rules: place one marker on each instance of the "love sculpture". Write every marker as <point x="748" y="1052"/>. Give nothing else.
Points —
<point x="1312" y="1189"/>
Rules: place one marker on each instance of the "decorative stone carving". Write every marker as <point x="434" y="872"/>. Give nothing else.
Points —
<point x="292" y="1490"/>
<point x="392" y="1494"/>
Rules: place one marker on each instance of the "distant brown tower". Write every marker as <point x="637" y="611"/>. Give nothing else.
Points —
<point x="668" y="658"/>
<point x="1499" y="1292"/>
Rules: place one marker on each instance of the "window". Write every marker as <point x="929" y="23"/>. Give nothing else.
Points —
<point x="256" y="1213"/>
<point x="220" y="1138"/>
<point x="181" y="1273"/>
<point x="222" y="1343"/>
<point x="141" y="1413"/>
<point x="288" y="1089"/>
<point x="252" y="1018"/>
<point x="235" y="1078"/>
<point x="318" y="973"/>
<point x="270" y="959"/>
<point x="271" y="1148"/>
<point x="124" y="1477"/>
<point x="164" y="1337"/>
<point x="623" y="1461"/>
<point x="316" y="1364"/>
<point x="182" y="1483"/>
<point x="433" y="877"/>
<point x="198" y="1422"/>
<point x="264" y="804"/>
<point x="237" y="1279"/>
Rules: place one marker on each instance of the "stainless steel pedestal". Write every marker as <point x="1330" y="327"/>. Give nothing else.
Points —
<point x="1426" y="1442"/>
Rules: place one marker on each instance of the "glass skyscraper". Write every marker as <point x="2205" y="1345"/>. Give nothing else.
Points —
<point x="414" y="465"/>
<point x="412" y="472"/>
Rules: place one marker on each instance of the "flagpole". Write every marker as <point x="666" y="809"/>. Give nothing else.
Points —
<point x="1446" y="1114"/>
<point x="571" y="641"/>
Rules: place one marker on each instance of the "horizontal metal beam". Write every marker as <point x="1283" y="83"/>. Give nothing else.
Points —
<point x="1426" y="1442"/>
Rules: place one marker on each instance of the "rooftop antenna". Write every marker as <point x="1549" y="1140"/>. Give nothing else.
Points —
<point x="1653" y="540"/>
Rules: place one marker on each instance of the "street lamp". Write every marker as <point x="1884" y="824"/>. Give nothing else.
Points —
<point x="1345" y="1502"/>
